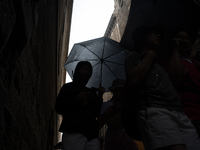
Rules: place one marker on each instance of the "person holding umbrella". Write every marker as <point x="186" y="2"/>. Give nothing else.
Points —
<point x="162" y="123"/>
<point x="79" y="106"/>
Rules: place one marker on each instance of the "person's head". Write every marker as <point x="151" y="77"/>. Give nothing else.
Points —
<point x="186" y="40"/>
<point x="83" y="72"/>
<point x="148" y="37"/>
<point x="117" y="88"/>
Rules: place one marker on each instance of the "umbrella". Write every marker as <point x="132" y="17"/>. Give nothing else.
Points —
<point x="172" y="14"/>
<point x="106" y="56"/>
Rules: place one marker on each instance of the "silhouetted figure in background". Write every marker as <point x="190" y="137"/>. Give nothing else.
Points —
<point x="162" y="123"/>
<point x="183" y="71"/>
<point x="79" y="106"/>
<point x="115" y="136"/>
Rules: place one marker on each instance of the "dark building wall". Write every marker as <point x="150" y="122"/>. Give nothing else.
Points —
<point x="28" y="73"/>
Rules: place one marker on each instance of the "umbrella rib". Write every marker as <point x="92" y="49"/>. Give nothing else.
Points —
<point x="89" y="50"/>
<point x="110" y="70"/>
<point x="96" y="64"/>
<point x="113" y="54"/>
<point x="103" y="47"/>
<point x="113" y="62"/>
<point x="102" y="60"/>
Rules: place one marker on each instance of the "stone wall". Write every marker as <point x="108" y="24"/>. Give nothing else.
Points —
<point x="118" y="20"/>
<point x="64" y="26"/>
<point x="29" y="55"/>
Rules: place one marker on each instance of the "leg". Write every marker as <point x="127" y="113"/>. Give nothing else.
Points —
<point x="159" y="128"/>
<point x="189" y="133"/>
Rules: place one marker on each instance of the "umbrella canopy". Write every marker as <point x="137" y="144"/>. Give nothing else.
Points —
<point x="106" y="56"/>
<point x="172" y="14"/>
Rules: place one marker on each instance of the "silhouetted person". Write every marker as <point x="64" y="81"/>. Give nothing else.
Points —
<point x="162" y="123"/>
<point x="79" y="106"/>
<point x="183" y="71"/>
<point x="115" y="136"/>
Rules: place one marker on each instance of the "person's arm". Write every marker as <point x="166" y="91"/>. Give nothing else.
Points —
<point x="174" y="67"/>
<point x="195" y="53"/>
<point x="105" y="116"/>
<point x="138" y="74"/>
<point x="195" y="48"/>
<point x="92" y="106"/>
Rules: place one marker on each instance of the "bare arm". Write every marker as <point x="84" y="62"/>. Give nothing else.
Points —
<point x="195" y="47"/>
<point x="174" y="67"/>
<point x="138" y="74"/>
<point x="109" y="112"/>
<point x="103" y="118"/>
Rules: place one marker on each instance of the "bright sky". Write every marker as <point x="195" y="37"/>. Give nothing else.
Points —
<point x="90" y="19"/>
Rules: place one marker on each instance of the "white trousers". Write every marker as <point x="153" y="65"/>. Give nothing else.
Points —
<point x="160" y="127"/>
<point x="77" y="141"/>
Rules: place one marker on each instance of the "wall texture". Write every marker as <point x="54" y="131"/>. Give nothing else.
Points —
<point x="29" y="75"/>
<point x="118" y="21"/>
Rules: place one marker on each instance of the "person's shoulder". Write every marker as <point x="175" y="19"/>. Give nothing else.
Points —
<point x="133" y="54"/>
<point x="133" y="59"/>
<point x="68" y="85"/>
